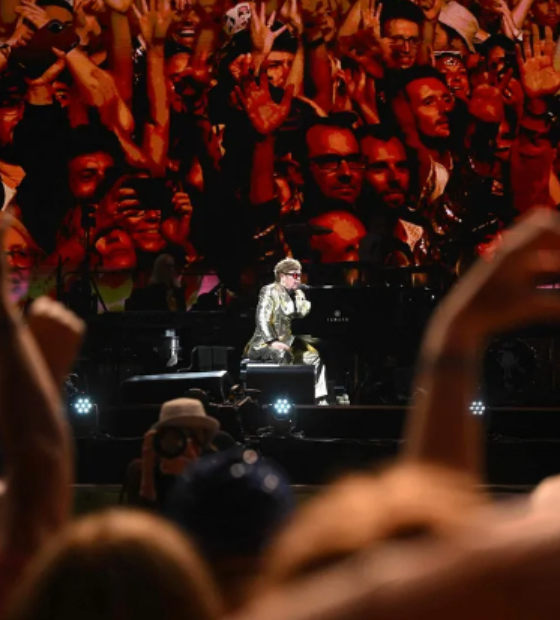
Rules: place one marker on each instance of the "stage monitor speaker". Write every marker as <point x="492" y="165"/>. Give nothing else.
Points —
<point x="297" y="382"/>
<point x="156" y="389"/>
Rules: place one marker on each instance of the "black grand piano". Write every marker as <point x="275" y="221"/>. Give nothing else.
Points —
<point x="366" y="334"/>
<point x="361" y="313"/>
<point x="378" y="304"/>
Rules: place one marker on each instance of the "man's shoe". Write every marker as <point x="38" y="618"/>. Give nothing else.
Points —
<point x="323" y="402"/>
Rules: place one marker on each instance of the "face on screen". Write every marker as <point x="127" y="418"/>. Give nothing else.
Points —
<point x="546" y="13"/>
<point x="185" y="25"/>
<point x="116" y="250"/>
<point x="10" y="116"/>
<point x="87" y="172"/>
<point x="278" y="67"/>
<point x="21" y="259"/>
<point x="431" y="103"/>
<point x="403" y="38"/>
<point x="456" y="75"/>
<point x="388" y="170"/>
<point x="342" y="244"/>
<point x="335" y="162"/>
<point x="144" y="230"/>
<point x="175" y="70"/>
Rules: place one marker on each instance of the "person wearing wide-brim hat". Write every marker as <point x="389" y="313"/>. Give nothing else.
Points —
<point x="189" y="414"/>
<point x="149" y="478"/>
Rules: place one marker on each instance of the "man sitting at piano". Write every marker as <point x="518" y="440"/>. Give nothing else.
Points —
<point x="273" y="341"/>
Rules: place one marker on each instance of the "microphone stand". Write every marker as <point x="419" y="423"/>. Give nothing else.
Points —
<point x="89" y="291"/>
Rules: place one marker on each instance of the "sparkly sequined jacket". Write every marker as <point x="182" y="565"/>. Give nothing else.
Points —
<point x="275" y="312"/>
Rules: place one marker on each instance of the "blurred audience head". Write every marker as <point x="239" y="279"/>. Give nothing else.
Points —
<point x="232" y="503"/>
<point x="363" y="510"/>
<point x="119" y="565"/>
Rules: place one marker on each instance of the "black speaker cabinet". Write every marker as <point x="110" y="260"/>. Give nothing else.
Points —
<point x="296" y="383"/>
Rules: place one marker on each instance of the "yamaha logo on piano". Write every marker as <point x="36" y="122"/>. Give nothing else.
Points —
<point x="338" y="318"/>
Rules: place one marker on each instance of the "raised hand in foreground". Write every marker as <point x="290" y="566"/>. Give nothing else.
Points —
<point x="34" y="434"/>
<point x="58" y="333"/>
<point x="492" y="297"/>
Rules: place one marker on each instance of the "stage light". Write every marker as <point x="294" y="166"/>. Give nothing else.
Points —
<point x="83" y="405"/>
<point x="478" y="407"/>
<point x="281" y="417"/>
<point x="282" y="408"/>
<point x="82" y="410"/>
<point x="83" y="414"/>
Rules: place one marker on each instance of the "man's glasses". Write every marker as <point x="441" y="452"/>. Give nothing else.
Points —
<point x="400" y="42"/>
<point x="333" y="162"/>
<point x="296" y="275"/>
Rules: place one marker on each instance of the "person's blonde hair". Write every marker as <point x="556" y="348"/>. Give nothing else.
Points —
<point x="361" y="510"/>
<point x="118" y="564"/>
<point x="8" y="221"/>
<point x="160" y="270"/>
<point x="285" y="266"/>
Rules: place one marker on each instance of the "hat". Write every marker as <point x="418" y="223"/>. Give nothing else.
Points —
<point x="187" y="413"/>
<point x="231" y="502"/>
<point x="461" y="20"/>
<point x="237" y="19"/>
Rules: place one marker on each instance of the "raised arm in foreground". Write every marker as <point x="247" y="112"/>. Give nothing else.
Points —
<point x="491" y="298"/>
<point x="34" y="434"/>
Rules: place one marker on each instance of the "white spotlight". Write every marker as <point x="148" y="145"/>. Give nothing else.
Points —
<point x="83" y="405"/>
<point x="478" y="407"/>
<point x="282" y="408"/>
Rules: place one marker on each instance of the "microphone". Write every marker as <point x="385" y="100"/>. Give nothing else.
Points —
<point x="303" y="286"/>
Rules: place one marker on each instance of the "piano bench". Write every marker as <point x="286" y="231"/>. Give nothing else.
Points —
<point x="272" y="380"/>
<point x="244" y="364"/>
